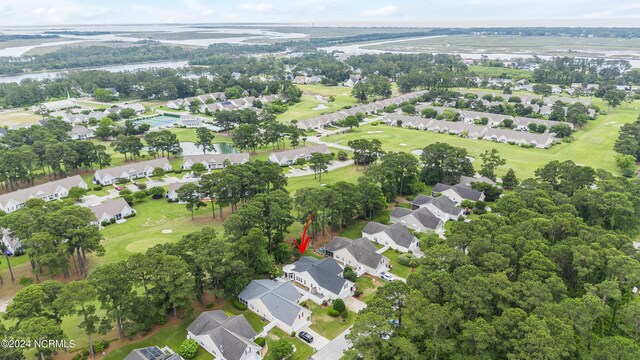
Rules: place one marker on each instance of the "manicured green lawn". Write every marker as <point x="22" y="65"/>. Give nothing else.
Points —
<point x="171" y="336"/>
<point x="303" y="351"/>
<point x="398" y="269"/>
<point x="325" y="325"/>
<point x="355" y="231"/>
<point x="305" y="108"/>
<point x="347" y="173"/>
<point x="156" y="222"/>
<point x="15" y="261"/>
<point x="593" y="145"/>
<point x="368" y="285"/>
<point x="256" y="322"/>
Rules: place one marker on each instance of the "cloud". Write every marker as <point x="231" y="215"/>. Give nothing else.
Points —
<point x="383" y="11"/>
<point x="256" y="7"/>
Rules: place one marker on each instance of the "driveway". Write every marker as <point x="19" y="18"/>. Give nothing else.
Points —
<point x="319" y="341"/>
<point x="354" y="304"/>
<point x="334" y="349"/>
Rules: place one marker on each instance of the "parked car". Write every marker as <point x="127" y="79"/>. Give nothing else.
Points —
<point x="386" y="276"/>
<point x="305" y="336"/>
<point x="119" y="188"/>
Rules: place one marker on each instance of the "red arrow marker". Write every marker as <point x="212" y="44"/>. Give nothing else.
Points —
<point x="304" y="240"/>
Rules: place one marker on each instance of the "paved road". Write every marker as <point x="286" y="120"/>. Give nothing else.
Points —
<point x="334" y="349"/>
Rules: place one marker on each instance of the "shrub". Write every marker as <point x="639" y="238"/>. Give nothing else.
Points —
<point x="344" y="315"/>
<point x="282" y="349"/>
<point x="112" y="221"/>
<point x="342" y="155"/>
<point x="260" y="341"/>
<point x="338" y="305"/>
<point x="124" y="192"/>
<point x="25" y="281"/>
<point x="349" y="274"/>
<point x="408" y="260"/>
<point x="239" y="305"/>
<point x="77" y="357"/>
<point x="293" y="334"/>
<point x="97" y="188"/>
<point x="301" y="161"/>
<point x="333" y="312"/>
<point x="142" y="186"/>
<point x="104" y="223"/>
<point x="100" y="345"/>
<point x="188" y="349"/>
<point x="209" y="305"/>
<point x="357" y="293"/>
<point x="123" y="181"/>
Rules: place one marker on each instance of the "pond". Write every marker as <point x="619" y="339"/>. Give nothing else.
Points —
<point x="189" y="148"/>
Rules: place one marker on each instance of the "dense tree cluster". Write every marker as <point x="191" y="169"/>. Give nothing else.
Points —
<point x="543" y="277"/>
<point x="568" y="70"/>
<point x="26" y="153"/>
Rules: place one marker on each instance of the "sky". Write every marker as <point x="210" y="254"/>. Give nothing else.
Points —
<point x="336" y="12"/>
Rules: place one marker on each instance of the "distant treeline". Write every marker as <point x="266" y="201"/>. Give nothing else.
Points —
<point x="5" y="37"/>
<point x="78" y="33"/>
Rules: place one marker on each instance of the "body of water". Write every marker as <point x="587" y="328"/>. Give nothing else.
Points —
<point x="189" y="148"/>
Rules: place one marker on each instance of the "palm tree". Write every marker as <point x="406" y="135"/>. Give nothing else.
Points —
<point x="3" y="248"/>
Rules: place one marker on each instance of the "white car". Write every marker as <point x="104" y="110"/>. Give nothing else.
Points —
<point x="386" y="276"/>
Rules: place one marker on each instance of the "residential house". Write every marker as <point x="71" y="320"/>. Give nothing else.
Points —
<point x="113" y="91"/>
<point x="289" y="157"/>
<point x="172" y="193"/>
<point x="117" y="209"/>
<point x="80" y="133"/>
<point x="395" y="236"/>
<point x="321" y="278"/>
<point x="441" y="206"/>
<point x="49" y="191"/>
<point x="138" y="108"/>
<point x="153" y="353"/>
<point x="225" y="337"/>
<point x="10" y="241"/>
<point x="277" y="302"/>
<point x="420" y="220"/>
<point x="215" y="161"/>
<point x="468" y="180"/>
<point x="352" y="81"/>
<point x="360" y="255"/>
<point x="458" y="193"/>
<point x="130" y="171"/>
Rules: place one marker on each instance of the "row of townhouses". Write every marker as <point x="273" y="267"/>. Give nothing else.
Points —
<point x="472" y="131"/>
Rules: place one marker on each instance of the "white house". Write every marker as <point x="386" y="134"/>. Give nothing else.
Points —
<point x="59" y="105"/>
<point x="117" y="209"/>
<point x="277" y="302"/>
<point x="420" y="220"/>
<point x="360" y="255"/>
<point x="321" y="278"/>
<point x="458" y="192"/>
<point x="11" y="242"/>
<point x="394" y="236"/>
<point x="172" y="193"/>
<point x="215" y="161"/>
<point x="225" y="337"/>
<point x="130" y="171"/>
<point x="80" y="133"/>
<point x="49" y="191"/>
<point x="289" y="157"/>
<point x="442" y="207"/>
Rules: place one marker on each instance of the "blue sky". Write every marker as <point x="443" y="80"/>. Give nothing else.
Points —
<point x="383" y="12"/>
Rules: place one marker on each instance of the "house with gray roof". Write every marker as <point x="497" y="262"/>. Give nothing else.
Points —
<point x="395" y="236"/>
<point x="278" y="302"/>
<point x="420" y="220"/>
<point x="117" y="209"/>
<point x="80" y="133"/>
<point x="457" y="193"/>
<point x="360" y="255"/>
<point x="289" y="157"/>
<point x="214" y="160"/>
<point x="131" y="171"/>
<point x="49" y="191"/>
<point x="321" y="278"/>
<point x="468" y="180"/>
<point x="172" y="192"/>
<point x="10" y="241"/>
<point x="153" y="353"/>
<point x="225" y="337"/>
<point x="442" y="207"/>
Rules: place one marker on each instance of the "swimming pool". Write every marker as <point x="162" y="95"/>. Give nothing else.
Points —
<point x="159" y="121"/>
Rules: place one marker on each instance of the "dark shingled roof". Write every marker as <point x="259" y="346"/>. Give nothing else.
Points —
<point x="231" y="334"/>
<point x="441" y="202"/>
<point x="325" y="272"/>
<point x="467" y="192"/>
<point x="280" y="298"/>
<point x="400" y="212"/>
<point x="400" y="235"/>
<point x="362" y="250"/>
<point x="426" y="218"/>
<point x="373" y="227"/>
